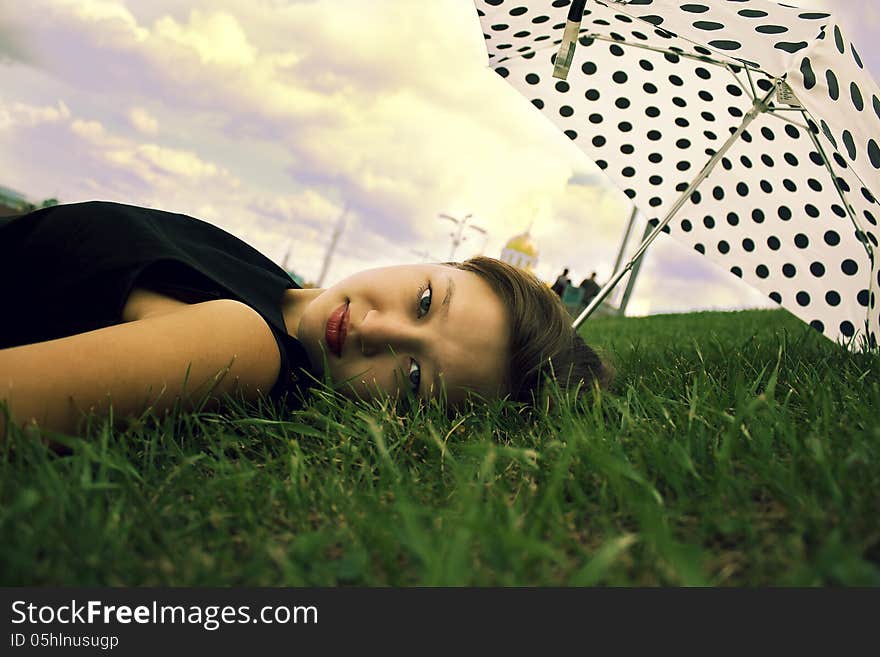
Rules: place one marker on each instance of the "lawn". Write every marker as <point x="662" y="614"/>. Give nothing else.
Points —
<point x="733" y="449"/>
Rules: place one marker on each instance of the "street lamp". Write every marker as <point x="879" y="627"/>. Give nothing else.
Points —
<point x="456" y="235"/>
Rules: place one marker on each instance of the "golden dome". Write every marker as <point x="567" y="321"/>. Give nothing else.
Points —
<point x="522" y="243"/>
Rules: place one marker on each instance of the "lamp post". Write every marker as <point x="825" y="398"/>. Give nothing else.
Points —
<point x="457" y="234"/>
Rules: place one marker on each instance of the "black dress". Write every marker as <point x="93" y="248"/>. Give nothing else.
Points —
<point x="69" y="269"/>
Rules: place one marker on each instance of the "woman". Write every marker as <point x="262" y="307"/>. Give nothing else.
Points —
<point x="110" y="303"/>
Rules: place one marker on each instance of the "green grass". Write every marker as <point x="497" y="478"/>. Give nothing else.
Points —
<point x="733" y="449"/>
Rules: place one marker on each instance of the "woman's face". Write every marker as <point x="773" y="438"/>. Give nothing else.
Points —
<point x="419" y="326"/>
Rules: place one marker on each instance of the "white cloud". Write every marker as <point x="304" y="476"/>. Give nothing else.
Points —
<point x="143" y="121"/>
<point x="217" y="38"/>
<point x="23" y="114"/>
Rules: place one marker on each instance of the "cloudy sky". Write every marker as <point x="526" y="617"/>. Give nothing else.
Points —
<point x="270" y="118"/>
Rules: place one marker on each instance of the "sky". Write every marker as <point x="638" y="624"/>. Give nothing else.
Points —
<point x="273" y="119"/>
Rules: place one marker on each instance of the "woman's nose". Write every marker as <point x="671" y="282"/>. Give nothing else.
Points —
<point x="378" y="331"/>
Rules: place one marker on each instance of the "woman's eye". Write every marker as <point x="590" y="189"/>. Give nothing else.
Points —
<point x="415" y="374"/>
<point x="425" y="301"/>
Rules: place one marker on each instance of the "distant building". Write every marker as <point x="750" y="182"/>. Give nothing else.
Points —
<point x="520" y="251"/>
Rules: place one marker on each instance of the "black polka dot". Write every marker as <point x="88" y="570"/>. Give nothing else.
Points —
<point x="849" y="267"/>
<point x="532" y="78"/>
<point x="789" y="270"/>
<point x="616" y="50"/>
<point x="599" y="141"/>
<point x="791" y="46"/>
<point x="792" y="131"/>
<point x="592" y="94"/>
<point x="818" y="325"/>
<point x="654" y="135"/>
<point x="595" y="118"/>
<point x="732" y="218"/>
<point x="723" y="247"/>
<point x="620" y="77"/>
<point x="571" y="134"/>
<point x="649" y="88"/>
<point x="771" y="29"/>
<point x="686" y="225"/>
<point x="627" y="149"/>
<point x="784" y="212"/>
<point x="847" y="329"/>
<point x="761" y="271"/>
<point x="652" y="112"/>
<point x="833" y="87"/>
<point x="655" y="158"/>
<point x="862" y="298"/>
<point x="774" y="243"/>
<point x="742" y="189"/>
<point x="700" y="248"/>
<point x="811" y="210"/>
<point x="646" y="65"/>
<point x="874" y="153"/>
<point x="537" y="102"/>
<point x="758" y="216"/>
<point x="832" y="238"/>
<point x="850" y="144"/>
<point x="856" y="95"/>
<point x="624" y="126"/>
<point x="856" y="58"/>
<point x="803" y="298"/>
<point x="807" y="72"/>
<point x="817" y="269"/>
<point x="709" y="222"/>
<point x="775" y="296"/>
<point x="832" y="298"/>
<point x="748" y="245"/>
<point x="725" y="44"/>
<point x="736" y="271"/>
<point x="566" y="111"/>
<point x="838" y="40"/>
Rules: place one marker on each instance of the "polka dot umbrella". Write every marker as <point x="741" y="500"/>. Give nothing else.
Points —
<point x="746" y="129"/>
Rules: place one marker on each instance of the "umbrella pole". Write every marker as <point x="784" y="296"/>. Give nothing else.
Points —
<point x="758" y="106"/>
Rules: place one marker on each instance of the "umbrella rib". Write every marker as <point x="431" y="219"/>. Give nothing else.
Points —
<point x="700" y="58"/>
<point x="773" y="112"/>
<point x="758" y="107"/>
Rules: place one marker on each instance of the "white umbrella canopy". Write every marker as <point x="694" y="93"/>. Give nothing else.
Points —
<point x="745" y="129"/>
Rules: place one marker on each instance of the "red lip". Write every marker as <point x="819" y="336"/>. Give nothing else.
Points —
<point x="337" y="329"/>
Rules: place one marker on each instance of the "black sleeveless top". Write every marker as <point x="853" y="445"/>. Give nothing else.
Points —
<point x="69" y="269"/>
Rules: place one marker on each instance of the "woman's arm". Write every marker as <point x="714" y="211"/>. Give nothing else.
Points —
<point x="138" y="364"/>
